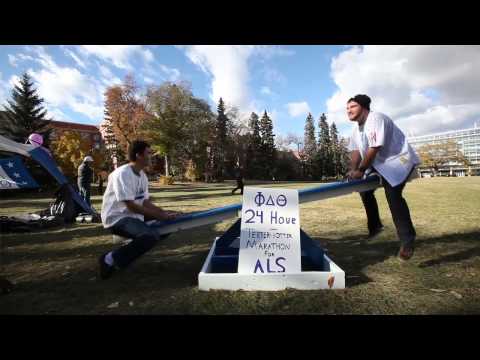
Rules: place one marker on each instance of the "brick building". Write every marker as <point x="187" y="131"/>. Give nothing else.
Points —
<point x="89" y="132"/>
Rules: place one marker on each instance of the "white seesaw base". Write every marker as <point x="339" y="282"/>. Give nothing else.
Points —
<point x="308" y="280"/>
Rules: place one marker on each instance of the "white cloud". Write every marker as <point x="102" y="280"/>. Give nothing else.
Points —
<point x="272" y="75"/>
<point x="118" y="55"/>
<point x="12" y="60"/>
<point x="108" y="78"/>
<point x="422" y="88"/>
<point x="79" y="61"/>
<point x="266" y="90"/>
<point x="56" y="114"/>
<point x="148" y="80"/>
<point x="14" y="81"/>
<point x="66" y="86"/>
<point x="228" y="66"/>
<point x="269" y="51"/>
<point x="4" y="91"/>
<point x="298" y="108"/>
<point x="172" y="73"/>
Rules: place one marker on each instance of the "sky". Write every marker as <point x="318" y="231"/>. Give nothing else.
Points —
<point x="424" y="89"/>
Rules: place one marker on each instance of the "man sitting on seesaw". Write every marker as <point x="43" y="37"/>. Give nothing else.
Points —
<point x="125" y="205"/>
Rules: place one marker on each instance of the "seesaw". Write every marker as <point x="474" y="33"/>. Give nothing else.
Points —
<point x="216" y="215"/>
<point x="219" y="271"/>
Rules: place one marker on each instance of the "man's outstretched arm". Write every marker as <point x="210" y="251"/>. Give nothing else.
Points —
<point x="148" y="209"/>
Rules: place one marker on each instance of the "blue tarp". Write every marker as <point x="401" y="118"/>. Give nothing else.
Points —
<point x="14" y="175"/>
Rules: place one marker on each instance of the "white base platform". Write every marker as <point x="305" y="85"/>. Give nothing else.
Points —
<point x="308" y="280"/>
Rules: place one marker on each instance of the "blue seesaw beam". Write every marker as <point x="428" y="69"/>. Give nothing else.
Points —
<point x="216" y="215"/>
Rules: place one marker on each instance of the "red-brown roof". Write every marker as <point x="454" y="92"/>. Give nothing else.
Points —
<point x="73" y="126"/>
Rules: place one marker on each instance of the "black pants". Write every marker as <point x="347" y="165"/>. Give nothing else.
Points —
<point x="239" y="186"/>
<point x="398" y="207"/>
<point x="144" y="238"/>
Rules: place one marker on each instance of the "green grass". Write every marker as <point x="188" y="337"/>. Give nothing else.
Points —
<point x="55" y="271"/>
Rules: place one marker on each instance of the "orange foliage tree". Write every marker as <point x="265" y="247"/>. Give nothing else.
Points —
<point x="125" y="112"/>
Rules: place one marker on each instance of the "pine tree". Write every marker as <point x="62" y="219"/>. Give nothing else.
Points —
<point x="268" y="146"/>
<point x="344" y="156"/>
<point x="324" y="158"/>
<point x="25" y="113"/>
<point x="220" y="141"/>
<point x="309" y="146"/>
<point x="254" y="149"/>
<point x="335" y="149"/>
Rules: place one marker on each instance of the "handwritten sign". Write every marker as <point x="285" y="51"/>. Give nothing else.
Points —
<point x="270" y="232"/>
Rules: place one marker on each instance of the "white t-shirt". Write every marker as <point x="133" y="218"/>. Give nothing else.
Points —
<point x="123" y="184"/>
<point x="396" y="157"/>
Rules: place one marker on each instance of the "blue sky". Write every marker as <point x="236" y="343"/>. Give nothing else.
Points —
<point x="423" y="88"/>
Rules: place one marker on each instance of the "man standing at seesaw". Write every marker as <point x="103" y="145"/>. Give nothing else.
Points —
<point x="377" y="144"/>
<point x="125" y="205"/>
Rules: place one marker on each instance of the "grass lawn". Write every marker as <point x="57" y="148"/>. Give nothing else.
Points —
<point x="55" y="271"/>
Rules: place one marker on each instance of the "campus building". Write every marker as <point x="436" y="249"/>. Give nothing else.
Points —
<point x="89" y="132"/>
<point x="468" y="141"/>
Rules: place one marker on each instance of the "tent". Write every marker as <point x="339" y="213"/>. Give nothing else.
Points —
<point x="42" y="157"/>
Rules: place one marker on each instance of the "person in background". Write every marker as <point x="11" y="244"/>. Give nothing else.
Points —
<point x="239" y="178"/>
<point x="85" y="177"/>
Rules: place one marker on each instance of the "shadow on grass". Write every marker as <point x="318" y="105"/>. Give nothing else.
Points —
<point x="53" y="235"/>
<point x="354" y="255"/>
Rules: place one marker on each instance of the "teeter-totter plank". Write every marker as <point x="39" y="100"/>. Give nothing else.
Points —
<point x="216" y="215"/>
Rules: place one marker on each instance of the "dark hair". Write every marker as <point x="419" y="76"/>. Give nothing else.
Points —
<point x="363" y="100"/>
<point x="135" y="148"/>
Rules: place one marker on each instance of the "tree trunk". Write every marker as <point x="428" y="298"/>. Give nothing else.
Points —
<point x="166" y="165"/>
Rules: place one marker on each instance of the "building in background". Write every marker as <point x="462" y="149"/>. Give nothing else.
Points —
<point x="89" y="132"/>
<point x="468" y="142"/>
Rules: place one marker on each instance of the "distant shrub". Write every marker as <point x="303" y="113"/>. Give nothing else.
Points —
<point x="165" y="180"/>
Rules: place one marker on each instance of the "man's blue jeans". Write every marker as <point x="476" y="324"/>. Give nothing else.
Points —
<point x="85" y="194"/>
<point x="143" y="236"/>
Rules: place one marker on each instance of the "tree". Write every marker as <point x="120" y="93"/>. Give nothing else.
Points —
<point x="125" y="112"/>
<point x="234" y="145"/>
<point x="442" y="154"/>
<point x="69" y="151"/>
<point x="335" y="151"/>
<point x="113" y="152"/>
<point x="324" y="151"/>
<point x="344" y="156"/>
<point x="179" y="127"/>
<point x="254" y="148"/>
<point x="309" y="146"/>
<point x="267" y="147"/>
<point x="220" y="141"/>
<point x="25" y="113"/>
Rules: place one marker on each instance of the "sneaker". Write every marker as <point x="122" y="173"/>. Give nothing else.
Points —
<point x="373" y="234"/>
<point x="105" y="270"/>
<point x="406" y="252"/>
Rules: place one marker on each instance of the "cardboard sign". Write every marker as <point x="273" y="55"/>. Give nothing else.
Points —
<point x="270" y="232"/>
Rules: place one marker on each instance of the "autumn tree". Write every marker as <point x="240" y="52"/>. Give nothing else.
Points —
<point x="69" y="150"/>
<point x="442" y="154"/>
<point x="125" y="112"/>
